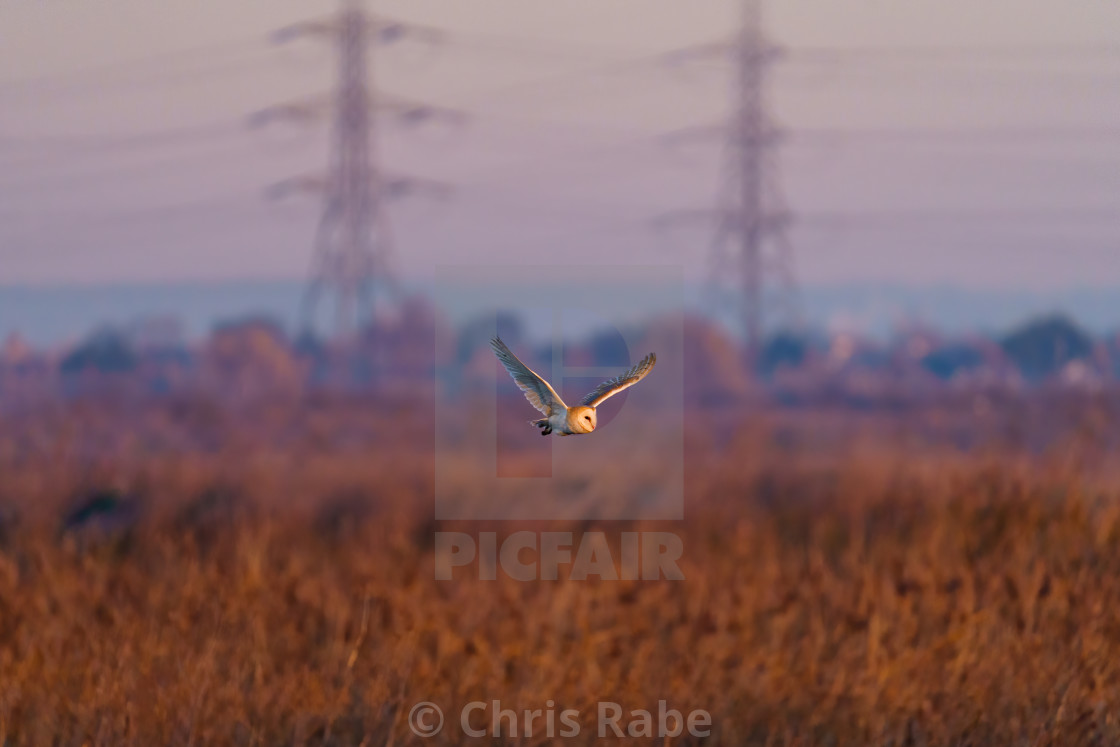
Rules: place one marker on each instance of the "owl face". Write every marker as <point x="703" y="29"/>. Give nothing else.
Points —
<point x="583" y="419"/>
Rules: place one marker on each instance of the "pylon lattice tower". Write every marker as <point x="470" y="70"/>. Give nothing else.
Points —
<point x="751" y="260"/>
<point x="751" y="245"/>
<point x="353" y="245"/>
<point x="353" y="241"/>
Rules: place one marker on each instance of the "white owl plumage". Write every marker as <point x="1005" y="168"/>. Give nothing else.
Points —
<point x="558" y="417"/>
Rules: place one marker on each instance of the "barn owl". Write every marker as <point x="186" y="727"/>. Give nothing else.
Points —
<point x="567" y="421"/>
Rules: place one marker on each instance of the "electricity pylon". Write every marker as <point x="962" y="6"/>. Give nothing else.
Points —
<point x="353" y="244"/>
<point x="750" y="251"/>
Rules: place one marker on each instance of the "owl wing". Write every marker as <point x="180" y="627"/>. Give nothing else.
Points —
<point x="611" y="387"/>
<point x="537" y="390"/>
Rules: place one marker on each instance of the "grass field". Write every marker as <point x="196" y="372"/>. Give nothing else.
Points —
<point x="158" y="586"/>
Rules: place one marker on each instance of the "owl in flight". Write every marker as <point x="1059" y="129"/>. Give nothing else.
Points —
<point x="567" y="421"/>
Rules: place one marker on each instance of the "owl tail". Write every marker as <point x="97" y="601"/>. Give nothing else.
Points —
<point x="543" y="424"/>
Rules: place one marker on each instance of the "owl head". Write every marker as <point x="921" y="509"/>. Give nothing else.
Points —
<point x="582" y="419"/>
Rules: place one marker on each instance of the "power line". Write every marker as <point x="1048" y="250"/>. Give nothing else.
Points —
<point x="841" y="220"/>
<point x="123" y="140"/>
<point x="204" y="58"/>
<point x="1001" y="135"/>
<point x="942" y="52"/>
<point x="998" y="135"/>
<point x="913" y="53"/>
<point x="488" y="41"/>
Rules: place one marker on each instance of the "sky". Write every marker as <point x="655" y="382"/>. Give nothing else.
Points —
<point x="930" y="142"/>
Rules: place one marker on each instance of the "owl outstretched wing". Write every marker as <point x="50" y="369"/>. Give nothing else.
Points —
<point x="538" y="391"/>
<point x="611" y="387"/>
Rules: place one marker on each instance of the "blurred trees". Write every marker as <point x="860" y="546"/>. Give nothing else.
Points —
<point x="256" y="358"/>
<point x="250" y="358"/>
<point x="1041" y="348"/>
<point x="106" y="351"/>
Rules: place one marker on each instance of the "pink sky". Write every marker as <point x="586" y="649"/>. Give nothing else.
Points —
<point x="113" y="172"/>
